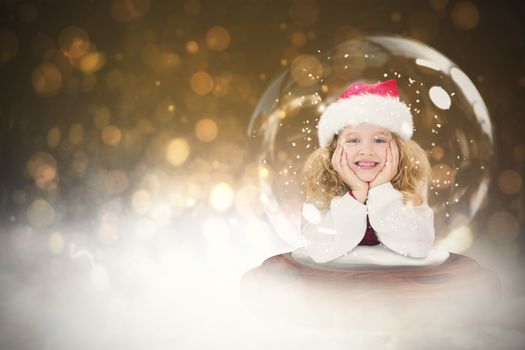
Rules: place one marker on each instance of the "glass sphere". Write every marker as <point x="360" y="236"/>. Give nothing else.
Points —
<point x="451" y="123"/>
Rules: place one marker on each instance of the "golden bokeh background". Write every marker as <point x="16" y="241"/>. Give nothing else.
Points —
<point x="107" y="96"/>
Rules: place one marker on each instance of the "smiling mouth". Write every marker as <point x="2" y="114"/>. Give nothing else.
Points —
<point x="366" y="165"/>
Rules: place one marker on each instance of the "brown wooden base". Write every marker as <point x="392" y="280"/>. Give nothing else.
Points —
<point x="459" y="289"/>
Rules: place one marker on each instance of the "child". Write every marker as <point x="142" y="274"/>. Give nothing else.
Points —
<point x="367" y="183"/>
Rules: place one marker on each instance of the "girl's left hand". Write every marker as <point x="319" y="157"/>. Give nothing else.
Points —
<point x="390" y="169"/>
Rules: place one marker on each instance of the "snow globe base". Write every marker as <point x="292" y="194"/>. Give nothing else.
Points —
<point x="457" y="292"/>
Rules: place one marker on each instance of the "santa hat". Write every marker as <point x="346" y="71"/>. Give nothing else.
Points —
<point x="376" y="104"/>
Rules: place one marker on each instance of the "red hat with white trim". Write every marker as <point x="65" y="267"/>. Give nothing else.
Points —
<point x="376" y="104"/>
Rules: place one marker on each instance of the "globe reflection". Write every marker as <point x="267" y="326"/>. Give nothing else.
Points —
<point x="450" y="117"/>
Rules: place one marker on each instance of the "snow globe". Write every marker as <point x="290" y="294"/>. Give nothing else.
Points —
<point x="451" y="123"/>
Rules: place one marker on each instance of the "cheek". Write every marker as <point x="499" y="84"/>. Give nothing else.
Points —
<point x="351" y="156"/>
<point x="381" y="153"/>
<point x="350" y="152"/>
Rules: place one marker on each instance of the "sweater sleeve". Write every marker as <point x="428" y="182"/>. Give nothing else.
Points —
<point x="406" y="229"/>
<point x="328" y="236"/>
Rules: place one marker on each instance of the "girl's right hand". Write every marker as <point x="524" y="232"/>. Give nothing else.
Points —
<point x="349" y="177"/>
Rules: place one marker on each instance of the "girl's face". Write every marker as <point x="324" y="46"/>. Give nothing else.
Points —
<point x="365" y="146"/>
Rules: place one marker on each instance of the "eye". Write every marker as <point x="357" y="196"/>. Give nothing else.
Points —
<point x="380" y="140"/>
<point x="353" y="140"/>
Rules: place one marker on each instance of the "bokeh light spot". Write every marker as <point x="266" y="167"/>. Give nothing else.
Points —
<point x="201" y="83"/>
<point x="221" y="197"/>
<point x="395" y="16"/>
<point x="509" y="181"/>
<point x="177" y="151"/>
<point x="40" y="213"/>
<point x="53" y="137"/>
<point x="206" y="130"/>
<point x="298" y="39"/>
<point x="192" y="47"/>
<point x="92" y="62"/>
<point x="465" y="15"/>
<point x="42" y="168"/>
<point x="80" y="162"/>
<point x="74" y="43"/>
<point x="56" y="243"/>
<point x="46" y="79"/>
<point x="218" y="38"/>
<point x="264" y="172"/>
<point x="111" y="135"/>
<point x="221" y="85"/>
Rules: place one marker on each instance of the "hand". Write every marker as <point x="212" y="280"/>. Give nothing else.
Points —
<point x="390" y="169"/>
<point x="349" y="177"/>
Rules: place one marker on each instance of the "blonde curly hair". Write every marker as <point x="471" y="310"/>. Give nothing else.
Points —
<point x="322" y="183"/>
